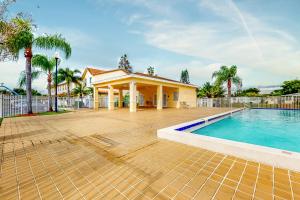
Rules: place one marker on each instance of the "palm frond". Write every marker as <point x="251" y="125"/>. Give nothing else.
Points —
<point x="22" y="78"/>
<point x="54" y="42"/>
<point x="42" y="62"/>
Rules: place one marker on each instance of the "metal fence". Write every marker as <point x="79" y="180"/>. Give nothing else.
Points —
<point x="281" y="102"/>
<point x="11" y="105"/>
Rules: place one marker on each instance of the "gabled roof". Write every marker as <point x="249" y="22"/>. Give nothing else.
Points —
<point x="92" y="71"/>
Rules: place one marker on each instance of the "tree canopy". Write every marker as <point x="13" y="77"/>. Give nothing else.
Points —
<point x="210" y="90"/>
<point x="250" y="92"/>
<point x="227" y="75"/>
<point x="150" y="71"/>
<point x="124" y="63"/>
<point x="184" y="77"/>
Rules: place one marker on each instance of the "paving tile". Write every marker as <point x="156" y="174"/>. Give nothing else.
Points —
<point x="68" y="156"/>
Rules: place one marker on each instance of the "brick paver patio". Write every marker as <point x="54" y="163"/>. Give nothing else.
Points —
<point x="116" y="155"/>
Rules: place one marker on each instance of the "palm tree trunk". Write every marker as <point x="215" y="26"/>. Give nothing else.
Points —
<point x="229" y="87"/>
<point x="28" y="56"/>
<point x="69" y="95"/>
<point x="49" y="91"/>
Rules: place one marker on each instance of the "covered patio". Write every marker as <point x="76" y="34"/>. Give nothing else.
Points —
<point x="144" y="91"/>
<point x="141" y="95"/>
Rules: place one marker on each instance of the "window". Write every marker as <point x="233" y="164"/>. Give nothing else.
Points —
<point x="90" y="80"/>
<point x="175" y="96"/>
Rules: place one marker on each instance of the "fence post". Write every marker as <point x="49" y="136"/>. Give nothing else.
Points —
<point x="1" y="105"/>
<point x="21" y="105"/>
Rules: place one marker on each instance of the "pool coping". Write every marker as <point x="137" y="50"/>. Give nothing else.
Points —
<point x="266" y="155"/>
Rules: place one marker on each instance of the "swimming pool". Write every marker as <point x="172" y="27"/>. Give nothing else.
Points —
<point x="262" y="135"/>
<point x="271" y="128"/>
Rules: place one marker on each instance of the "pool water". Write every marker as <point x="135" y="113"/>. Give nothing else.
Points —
<point x="272" y="128"/>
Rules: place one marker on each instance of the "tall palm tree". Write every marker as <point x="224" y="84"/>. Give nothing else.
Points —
<point x="17" y="35"/>
<point x="46" y="65"/>
<point x="228" y="75"/>
<point x="69" y="76"/>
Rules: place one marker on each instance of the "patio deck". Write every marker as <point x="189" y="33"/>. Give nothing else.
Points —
<point x="116" y="155"/>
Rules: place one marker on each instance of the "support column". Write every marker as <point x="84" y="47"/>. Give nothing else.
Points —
<point x="96" y="99"/>
<point x="132" y="96"/>
<point x="120" y="98"/>
<point x="159" y="95"/>
<point x="111" y="101"/>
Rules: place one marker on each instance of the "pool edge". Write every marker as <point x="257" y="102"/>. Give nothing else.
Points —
<point x="266" y="155"/>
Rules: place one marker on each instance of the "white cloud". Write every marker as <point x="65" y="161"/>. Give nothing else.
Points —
<point x="237" y="38"/>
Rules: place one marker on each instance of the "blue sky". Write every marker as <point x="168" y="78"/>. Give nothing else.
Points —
<point x="260" y="37"/>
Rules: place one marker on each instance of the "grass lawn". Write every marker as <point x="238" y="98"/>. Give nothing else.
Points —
<point x="54" y="113"/>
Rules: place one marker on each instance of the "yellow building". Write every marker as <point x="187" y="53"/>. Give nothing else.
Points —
<point x="144" y="90"/>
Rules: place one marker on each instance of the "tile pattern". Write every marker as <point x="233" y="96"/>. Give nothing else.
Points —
<point x="116" y="155"/>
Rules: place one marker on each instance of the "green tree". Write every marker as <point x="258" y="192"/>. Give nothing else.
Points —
<point x="290" y="87"/>
<point x="184" y="77"/>
<point x="124" y="63"/>
<point x="81" y="90"/>
<point x="250" y="92"/>
<point x="210" y="90"/>
<point x="17" y="35"/>
<point x="44" y="65"/>
<point x="21" y="91"/>
<point x="277" y="93"/>
<point x="69" y="76"/>
<point x="227" y="75"/>
<point x="150" y="70"/>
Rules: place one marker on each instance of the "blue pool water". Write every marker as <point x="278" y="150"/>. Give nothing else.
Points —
<point x="272" y="128"/>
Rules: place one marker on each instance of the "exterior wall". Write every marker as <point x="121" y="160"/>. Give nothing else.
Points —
<point x="62" y="88"/>
<point x="188" y="95"/>
<point x="171" y="103"/>
<point x="88" y="79"/>
<point x="148" y="94"/>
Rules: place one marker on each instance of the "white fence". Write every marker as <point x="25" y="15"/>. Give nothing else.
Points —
<point x="11" y="105"/>
<point x="281" y="102"/>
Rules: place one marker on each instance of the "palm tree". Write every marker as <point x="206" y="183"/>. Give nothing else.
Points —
<point x="17" y="35"/>
<point x="69" y="76"/>
<point x="229" y="75"/>
<point x="46" y="65"/>
<point x="210" y="90"/>
<point x="82" y="90"/>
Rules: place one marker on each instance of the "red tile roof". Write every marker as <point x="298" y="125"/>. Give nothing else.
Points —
<point x="94" y="71"/>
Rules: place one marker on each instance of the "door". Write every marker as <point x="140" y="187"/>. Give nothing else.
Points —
<point x="141" y="100"/>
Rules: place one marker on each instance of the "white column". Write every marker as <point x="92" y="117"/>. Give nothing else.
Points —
<point x="132" y="96"/>
<point x="120" y="98"/>
<point x="111" y="101"/>
<point x="159" y="95"/>
<point x="96" y="99"/>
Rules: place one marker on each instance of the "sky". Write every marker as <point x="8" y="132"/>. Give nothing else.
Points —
<point x="260" y="37"/>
